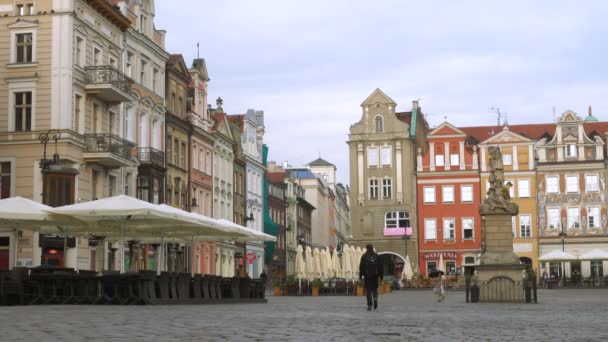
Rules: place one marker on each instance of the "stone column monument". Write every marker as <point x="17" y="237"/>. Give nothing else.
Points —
<point x="500" y="277"/>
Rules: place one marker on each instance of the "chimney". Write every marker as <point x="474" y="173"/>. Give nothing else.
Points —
<point x="414" y="104"/>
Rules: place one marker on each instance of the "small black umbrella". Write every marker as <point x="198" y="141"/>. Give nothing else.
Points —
<point x="436" y="273"/>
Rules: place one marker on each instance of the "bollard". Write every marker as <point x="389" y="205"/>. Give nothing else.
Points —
<point x="474" y="293"/>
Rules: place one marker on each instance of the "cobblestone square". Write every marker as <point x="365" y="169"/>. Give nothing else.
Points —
<point x="561" y="315"/>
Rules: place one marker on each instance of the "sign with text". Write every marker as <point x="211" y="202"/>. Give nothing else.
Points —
<point x="437" y="255"/>
<point x="251" y="257"/>
<point x="398" y="231"/>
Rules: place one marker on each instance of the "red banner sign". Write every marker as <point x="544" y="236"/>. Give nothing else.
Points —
<point x="251" y="257"/>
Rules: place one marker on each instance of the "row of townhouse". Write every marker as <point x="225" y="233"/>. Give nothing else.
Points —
<point x="94" y="106"/>
<point x="555" y="172"/>
<point x="312" y="210"/>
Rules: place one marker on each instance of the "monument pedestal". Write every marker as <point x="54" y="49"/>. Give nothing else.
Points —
<point x="499" y="274"/>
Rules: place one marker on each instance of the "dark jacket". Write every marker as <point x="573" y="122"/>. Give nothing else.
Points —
<point x="363" y="267"/>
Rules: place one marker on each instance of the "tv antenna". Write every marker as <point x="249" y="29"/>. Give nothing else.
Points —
<point x="499" y="115"/>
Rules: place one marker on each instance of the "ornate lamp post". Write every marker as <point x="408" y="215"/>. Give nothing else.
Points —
<point x="563" y="236"/>
<point x="49" y="165"/>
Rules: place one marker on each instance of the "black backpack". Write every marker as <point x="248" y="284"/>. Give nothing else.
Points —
<point x="371" y="265"/>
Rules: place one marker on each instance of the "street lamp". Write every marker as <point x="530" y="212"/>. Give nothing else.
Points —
<point x="49" y="165"/>
<point x="407" y="235"/>
<point x="247" y="218"/>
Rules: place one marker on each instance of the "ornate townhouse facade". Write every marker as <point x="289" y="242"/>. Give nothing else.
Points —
<point x="448" y="187"/>
<point x="201" y="168"/>
<point x="251" y="143"/>
<point x="571" y="185"/>
<point x="383" y="146"/>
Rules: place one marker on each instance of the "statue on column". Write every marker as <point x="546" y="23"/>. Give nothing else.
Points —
<point x="499" y="196"/>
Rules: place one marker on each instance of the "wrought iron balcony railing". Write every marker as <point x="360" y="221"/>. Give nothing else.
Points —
<point x="149" y="155"/>
<point x="107" y="142"/>
<point x="107" y="74"/>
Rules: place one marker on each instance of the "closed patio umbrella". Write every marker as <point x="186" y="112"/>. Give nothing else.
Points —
<point x="346" y="263"/>
<point x="335" y="260"/>
<point x="310" y="268"/>
<point x="407" y="274"/>
<point x="441" y="266"/>
<point x="324" y="269"/>
<point x="330" y="265"/>
<point x="356" y="262"/>
<point x="300" y="266"/>
<point x="316" y="257"/>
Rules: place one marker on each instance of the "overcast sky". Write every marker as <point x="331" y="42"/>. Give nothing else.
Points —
<point x="309" y="64"/>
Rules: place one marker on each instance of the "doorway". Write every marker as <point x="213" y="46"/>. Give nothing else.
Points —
<point x="5" y="243"/>
<point x="392" y="265"/>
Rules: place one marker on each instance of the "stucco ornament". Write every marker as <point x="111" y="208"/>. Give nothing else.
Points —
<point x="498" y="193"/>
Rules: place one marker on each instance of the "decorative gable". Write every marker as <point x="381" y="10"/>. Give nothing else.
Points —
<point x="569" y="116"/>
<point x="446" y="129"/>
<point x="507" y="136"/>
<point x="378" y="97"/>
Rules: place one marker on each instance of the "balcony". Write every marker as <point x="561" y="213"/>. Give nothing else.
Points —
<point x="108" y="150"/>
<point x="151" y="156"/>
<point x="108" y="84"/>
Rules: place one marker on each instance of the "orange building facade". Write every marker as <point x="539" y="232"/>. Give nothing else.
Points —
<point x="448" y="186"/>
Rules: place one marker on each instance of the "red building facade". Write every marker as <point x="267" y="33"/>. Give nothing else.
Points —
<point x="448" y="186"/>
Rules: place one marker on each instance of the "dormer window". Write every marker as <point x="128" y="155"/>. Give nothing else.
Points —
<point x="379" y="124"/>
<point x="571" y="150"/>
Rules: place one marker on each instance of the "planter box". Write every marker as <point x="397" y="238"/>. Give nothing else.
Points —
<point x="277" y="291"/>
<point x="315" y="291"/>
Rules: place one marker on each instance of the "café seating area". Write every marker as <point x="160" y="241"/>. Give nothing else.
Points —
<point x="39" y="286"/>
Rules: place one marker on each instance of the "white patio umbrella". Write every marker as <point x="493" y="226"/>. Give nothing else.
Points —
<point x="594" y="255"/>
<point x="300" y="266"/>
<point x="251" y="234"/>
<point x="127" y="216"/>
<point x="329" y="264"/>
<point x="407" y="274"/>
<point x="322" y="261"/>
<point x="310" y="268"/>
<point x="356" y="262"/>
<point x="335" y="260"/>
<point x="316" y="263"/>
<point x="557" y="255"/>
<point x="346" y="263"/>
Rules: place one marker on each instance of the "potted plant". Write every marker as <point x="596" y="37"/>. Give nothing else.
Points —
<point x="277" y="287"/>
<point x="387" y="286"/>
<point x="316" y="285"/>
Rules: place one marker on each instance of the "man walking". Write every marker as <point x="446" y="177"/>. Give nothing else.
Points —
<point x="371" y="270"/>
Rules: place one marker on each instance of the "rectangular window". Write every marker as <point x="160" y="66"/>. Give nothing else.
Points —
<point x="466" y="193"/>
<point x="439" y="160"/>
<point x="431" y="266"/>
<point x="525" y="226"/>
<point x="80" y="51"/>
<point x="396" y="219"/>
<point x="20" y="10"/>
<point x="386" y="188"/>
<point x="176" y="152"/>
<point x="467" y="229"/>
<point x="96" y="56"/>
<point x="591" y="183"/>
<point x="523" y="187"/>
<point x="449" y="230"/>
<point x="5" y="180"/>
<point x="77" y="112"/>
<point x="111" y="186"/>
<point x="513" y="230"/>
<point x="552" y="184"/>
<point x="373" y="189"/>
<point x="448" y="194"/>
<point x="597" y="269"/>
<point x="454" y="159"/>
<point x="593" y="216"/>
<point x="23" y="111"/>
<point x="571" y="150"/>
<point x="30" y="9"/>
<point x="129" y="64"/>
<point x="553" y="218"/>
<point x="573" y="218"/>
<point x="183" y="156"/>
<point x="154" y="79"/>
<point x="372" y="156"/>
<point x="507" y="159"/>
<point x="24" y="47"/>
<point x="430" y="229"/>
<point x="572" y="184"/>
<point x="142" y="73"/>
<point x="113" y="62"/>
<point x="386" y="155"/>
<point x="429" y="194"/>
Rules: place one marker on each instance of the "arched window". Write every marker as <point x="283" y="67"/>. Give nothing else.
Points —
<point x="379" y="124"/>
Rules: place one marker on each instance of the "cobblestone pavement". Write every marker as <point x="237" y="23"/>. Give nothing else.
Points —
<point x="414" y="315"/>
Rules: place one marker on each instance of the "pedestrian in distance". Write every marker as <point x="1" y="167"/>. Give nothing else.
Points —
<point x="371" y="271"/>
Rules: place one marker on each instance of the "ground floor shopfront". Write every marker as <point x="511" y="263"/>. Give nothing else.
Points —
<point x="255" y="259"/>
<point x="588" y="261"/>
<point x="455" y="262"/>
